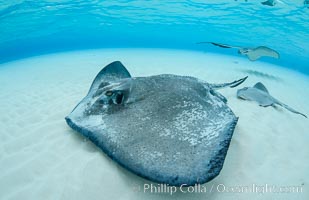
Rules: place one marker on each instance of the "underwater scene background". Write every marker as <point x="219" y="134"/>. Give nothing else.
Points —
<point x="35" y="27"/>
<point x="51" y="51"/>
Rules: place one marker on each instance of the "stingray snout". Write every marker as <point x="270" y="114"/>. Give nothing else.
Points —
<point x="241" y="93"/>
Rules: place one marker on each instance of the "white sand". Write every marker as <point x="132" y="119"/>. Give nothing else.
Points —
<point x="42" y="158"/>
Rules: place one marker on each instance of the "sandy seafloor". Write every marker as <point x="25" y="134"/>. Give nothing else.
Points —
<point x="42" y="158"/>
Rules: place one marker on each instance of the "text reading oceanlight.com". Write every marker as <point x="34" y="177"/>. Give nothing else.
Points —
<point x="220" y="188"/>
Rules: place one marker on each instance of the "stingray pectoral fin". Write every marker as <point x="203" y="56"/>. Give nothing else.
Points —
<point x="231" y="84"/>
<point x="114" y="71"/>
<point x="260" y="86"/>
<point x="217" y="94"/>
<point x="261" y="51"/>
<point x="290" y="109"/>
<point x="253" y="56"/>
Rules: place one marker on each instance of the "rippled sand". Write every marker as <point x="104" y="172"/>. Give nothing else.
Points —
<point x="42" y="158"/>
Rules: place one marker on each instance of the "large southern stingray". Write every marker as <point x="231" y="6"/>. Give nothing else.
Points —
<point x="253" y="53"/>
<point x="260" y="94"/>
<point x="166" y="128"/>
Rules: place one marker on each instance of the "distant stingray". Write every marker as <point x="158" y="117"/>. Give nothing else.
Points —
<point x="269" y="2"/>
<point x="252" y="53"/>
<point x="260" y="94"/>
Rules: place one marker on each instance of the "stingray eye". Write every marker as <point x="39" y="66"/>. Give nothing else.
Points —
<point x="109" y="93"/>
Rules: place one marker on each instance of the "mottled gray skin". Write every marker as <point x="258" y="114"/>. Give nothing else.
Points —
<point x="166" y="128"/>
<point x="260" y="94"/>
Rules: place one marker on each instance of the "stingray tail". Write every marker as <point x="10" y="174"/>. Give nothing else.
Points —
<point x="231" y="84"/>
<point x="290" y="109"/>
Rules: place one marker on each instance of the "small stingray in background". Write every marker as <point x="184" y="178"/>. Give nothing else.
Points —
<point x="261" y="74"/>
<point x="269" y="2"/>
<point x="260" y="94"/>
<point x="253" y="53"/>
<point x="306" y="3"/>
<point x="166" y="128"/>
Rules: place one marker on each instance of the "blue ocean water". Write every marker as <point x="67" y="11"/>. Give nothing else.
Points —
<point x="29" y="27"/>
